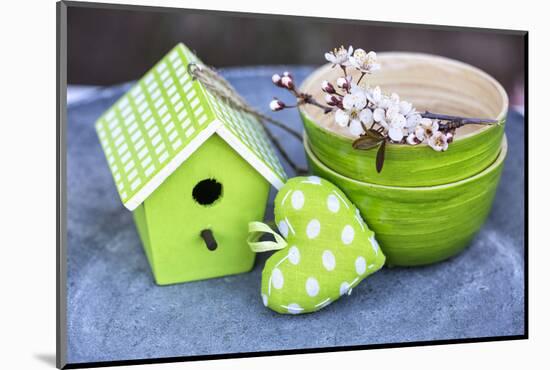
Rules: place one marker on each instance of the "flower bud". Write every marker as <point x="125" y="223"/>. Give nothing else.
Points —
<point x="287" y="82"/>
<point x="413" y="140"/>
<point x="276" y="105"/>
<point x="287" y="74"/>
<point x="343" y="83"/>
<point x="276" y="79"/>
<point x="333" y="100"/>
<point x="327" y="87"/>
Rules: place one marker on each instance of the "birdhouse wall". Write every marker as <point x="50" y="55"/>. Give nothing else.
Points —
<point x="170" y="221"/>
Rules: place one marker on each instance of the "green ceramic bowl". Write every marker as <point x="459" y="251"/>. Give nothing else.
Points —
<point x="420" y="225"/>
<point x="431" y="83"/>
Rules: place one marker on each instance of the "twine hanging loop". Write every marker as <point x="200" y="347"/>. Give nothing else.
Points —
<point x="221" y="89"/>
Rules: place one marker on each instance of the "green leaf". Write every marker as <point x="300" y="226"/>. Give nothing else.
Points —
<point x="380" y="156"/>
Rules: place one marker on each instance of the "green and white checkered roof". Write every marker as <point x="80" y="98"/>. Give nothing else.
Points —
<point x="151" y="130"/>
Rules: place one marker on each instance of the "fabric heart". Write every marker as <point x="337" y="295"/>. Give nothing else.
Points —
<point x="328" y="250"/>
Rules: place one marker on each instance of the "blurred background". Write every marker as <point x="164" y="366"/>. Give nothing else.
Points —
<point x="107" y="46"/>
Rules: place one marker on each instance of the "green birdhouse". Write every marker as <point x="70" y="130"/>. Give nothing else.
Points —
<point x="193" y="169"/>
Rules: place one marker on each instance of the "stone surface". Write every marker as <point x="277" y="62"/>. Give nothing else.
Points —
<point x="115" y="311"/>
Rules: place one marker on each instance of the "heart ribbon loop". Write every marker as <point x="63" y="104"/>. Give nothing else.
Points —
<point x="256" y="230"/>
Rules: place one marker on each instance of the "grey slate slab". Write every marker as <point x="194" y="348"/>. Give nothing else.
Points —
<point x="115" y="311"/>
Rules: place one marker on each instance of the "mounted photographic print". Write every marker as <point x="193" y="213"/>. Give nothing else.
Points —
<point x="248" y="184"/>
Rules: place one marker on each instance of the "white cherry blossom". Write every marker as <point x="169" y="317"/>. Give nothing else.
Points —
<point x="405" y="108"/>
<point x="379" y="116"/>
<point x="355" y="128"/>
<point x="419" y="133"/>
<point x="413" y="120"/>
<point x="396" y="129"/>
<point x="430" y="127"/>
<point x="363" y="61"/>
<point x="438" y="141"/>
<point x="339" y="56"/>
<point x="375" y="95"/>
<point x="357" y="99"/>
<point x="387" y="112"/>
<point x="354" y="112"/>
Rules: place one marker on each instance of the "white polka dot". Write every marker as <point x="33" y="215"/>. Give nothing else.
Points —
<point x="360" y="265"/>
<point x="277" y="278"/>
<point x="344" y="287"/>
<point x="312" y="287"/>
<point x="294" y="255"/>
<point x="283" y="228"/>
<point x="314" y="179"/>
<point x="264" y="299"/>
<point x="294" y="308"/>
<point x="297" y="199"/>
<point x="347" y="234"/>
<point x="333" y="203"/>
<point x="313" y="228"/>
<point x="329" y="261"/>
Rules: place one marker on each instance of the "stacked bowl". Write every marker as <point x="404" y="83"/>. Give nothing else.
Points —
<point x="424" y="206"/>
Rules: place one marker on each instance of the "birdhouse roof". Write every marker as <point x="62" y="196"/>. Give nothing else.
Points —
<point x="152" y="129"/>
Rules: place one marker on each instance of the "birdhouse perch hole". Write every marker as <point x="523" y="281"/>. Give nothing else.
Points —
<point x="207" y="191"/>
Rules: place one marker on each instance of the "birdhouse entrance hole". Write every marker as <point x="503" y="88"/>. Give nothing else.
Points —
<point x="207" y="191"/>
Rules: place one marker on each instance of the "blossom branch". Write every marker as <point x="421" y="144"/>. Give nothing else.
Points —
<point x="287" y="82"/>
<point x="308" y="99"/>
<point x="360" y="78"/>
<point x="374" y="119"/>
<point x="458" y="119"/>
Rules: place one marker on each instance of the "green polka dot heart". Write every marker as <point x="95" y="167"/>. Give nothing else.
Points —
<point x="329" y="248"/>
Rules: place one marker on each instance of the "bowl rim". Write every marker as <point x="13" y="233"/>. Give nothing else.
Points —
<point x="501" y="117"/>
<point x="497" y="162"/>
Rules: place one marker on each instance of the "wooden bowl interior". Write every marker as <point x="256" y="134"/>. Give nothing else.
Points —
<point x="432" y="83"/>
